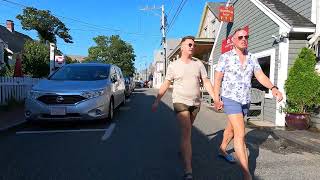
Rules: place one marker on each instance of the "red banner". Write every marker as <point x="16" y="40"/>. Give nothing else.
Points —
<point x="226" y="13"/>
<point x="226" y="44"/>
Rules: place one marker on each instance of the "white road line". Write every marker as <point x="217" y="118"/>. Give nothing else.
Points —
<point x="60" y="131"/>
<point x="108" y="132"/>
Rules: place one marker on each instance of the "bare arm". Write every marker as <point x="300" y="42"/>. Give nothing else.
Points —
<point x="207" y="84"/>
<point x="163" y="89"/>
<point x="265" y="81"/>
<point x="217" y="84"/>
<point x="216" y="88"/>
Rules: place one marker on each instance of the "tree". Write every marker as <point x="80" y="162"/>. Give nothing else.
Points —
<point x="69" y="60"/>
<point x="47" y="25"/>
<point x="113" y="50"/>
<point x="302" y="86"/>
<point x="35" y="58"/>
<point x="6" y="70"/>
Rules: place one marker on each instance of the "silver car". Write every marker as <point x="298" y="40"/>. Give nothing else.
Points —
<point x="85" y="91"/>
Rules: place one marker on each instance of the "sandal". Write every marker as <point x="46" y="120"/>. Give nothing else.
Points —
<point x="187" y="176"/>
<point x="229" y="158"/>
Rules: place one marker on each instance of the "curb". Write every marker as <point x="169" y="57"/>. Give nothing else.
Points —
<point x="12" y="125"/>
<point x="293" y="140"/>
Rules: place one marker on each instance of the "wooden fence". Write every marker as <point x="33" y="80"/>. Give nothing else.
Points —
<point x="15" y="88"/>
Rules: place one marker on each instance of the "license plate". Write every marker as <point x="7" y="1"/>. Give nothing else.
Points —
<point x="58" y="111"/>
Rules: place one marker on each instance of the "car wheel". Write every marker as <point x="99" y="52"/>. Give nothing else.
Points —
<point x="111" y="111"/>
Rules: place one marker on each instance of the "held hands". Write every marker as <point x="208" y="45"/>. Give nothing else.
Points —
<point x="218" y="104"/>
<point x="276" y="93"/>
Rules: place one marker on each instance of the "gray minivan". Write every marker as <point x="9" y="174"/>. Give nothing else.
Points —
<point x="81" y="91"/>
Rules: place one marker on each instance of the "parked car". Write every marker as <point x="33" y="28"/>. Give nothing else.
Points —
<point x="139" y="84"/>
<point x="86" y="91"/>
<point x="130" y="85"/>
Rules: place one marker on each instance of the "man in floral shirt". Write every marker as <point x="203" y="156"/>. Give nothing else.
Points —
<point x="234" y="72"/>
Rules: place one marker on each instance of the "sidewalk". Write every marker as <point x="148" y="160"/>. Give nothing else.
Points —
<point x="11" y="118"/>
<point x="309" y="139"/>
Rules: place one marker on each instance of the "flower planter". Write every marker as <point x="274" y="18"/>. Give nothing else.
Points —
<point x="300" y="121"/>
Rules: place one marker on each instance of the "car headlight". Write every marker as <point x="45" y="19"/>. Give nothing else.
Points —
<point x="93" y="94"/>
<point x="34" y="94"/>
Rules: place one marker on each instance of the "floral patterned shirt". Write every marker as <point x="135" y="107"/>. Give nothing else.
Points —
<point x="236" y="82"/>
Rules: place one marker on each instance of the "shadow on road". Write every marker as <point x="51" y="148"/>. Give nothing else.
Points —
<point x="143" y="145"/>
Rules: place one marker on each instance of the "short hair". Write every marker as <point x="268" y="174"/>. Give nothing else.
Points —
<point x="237" y="30"/>
<point x="187" y="37"/>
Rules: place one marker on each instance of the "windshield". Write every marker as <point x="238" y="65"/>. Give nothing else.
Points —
<point x="81" y="73"/>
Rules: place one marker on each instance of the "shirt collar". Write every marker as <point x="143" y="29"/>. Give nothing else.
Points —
<point x="235" y="53"/>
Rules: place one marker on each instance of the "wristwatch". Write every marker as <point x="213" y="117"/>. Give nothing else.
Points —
<point x="274" y="87"/>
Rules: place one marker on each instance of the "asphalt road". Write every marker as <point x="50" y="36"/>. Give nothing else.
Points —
<point x="141" y="145"/>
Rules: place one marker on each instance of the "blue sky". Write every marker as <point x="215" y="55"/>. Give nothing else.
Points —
<point x="139" y="28"/>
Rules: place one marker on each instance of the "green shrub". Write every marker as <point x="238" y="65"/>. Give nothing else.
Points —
<point x="303" y="84"/>
<point x="36" y="59"/>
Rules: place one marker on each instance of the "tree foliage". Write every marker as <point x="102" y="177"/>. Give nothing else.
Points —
<point x="6" y="70"/>
<point x="113" y="50"/>
<point x="47" y="25"/>
<point x="303" y="84"/>
<point x="35" y="58"/>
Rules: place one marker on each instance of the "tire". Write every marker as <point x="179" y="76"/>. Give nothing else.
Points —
<point x="111" y="110"/>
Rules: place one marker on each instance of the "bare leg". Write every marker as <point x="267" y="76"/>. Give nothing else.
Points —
<point x="237" y="123"/>
<point x="227" y="137"/>
<point x="186" y="148"/>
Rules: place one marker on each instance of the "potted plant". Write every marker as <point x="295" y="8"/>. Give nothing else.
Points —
<point x="302" y="89"/>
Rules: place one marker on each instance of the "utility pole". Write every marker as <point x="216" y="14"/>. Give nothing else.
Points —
<point x="52" y="59"/>
<point x="163" y="30"/>
<point x="146" y="73"/>
<point x="164" y="42"/>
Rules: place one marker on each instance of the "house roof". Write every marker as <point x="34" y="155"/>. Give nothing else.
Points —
<point x="287" y="14"/>
<point x="14" y="40"/>
<point x="214" y="7"/>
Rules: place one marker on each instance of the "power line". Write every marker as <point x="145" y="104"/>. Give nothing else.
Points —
<point x="172" y="5"/>
<point x="169" y="25"/>
<point x="86" y="23"/>
<point x="183" y="2"/>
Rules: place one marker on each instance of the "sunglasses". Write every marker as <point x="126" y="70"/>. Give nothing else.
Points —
<point x="241" y="37"/>
<point x="190" y="45"/>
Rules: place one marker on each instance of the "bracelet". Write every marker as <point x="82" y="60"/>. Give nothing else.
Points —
<point x="274" y="87"/>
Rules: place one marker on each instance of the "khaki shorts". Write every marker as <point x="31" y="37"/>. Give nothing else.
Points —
<point x="180" y="107"/>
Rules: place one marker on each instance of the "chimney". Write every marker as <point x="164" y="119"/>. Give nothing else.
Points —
<point x="10" y="25"/>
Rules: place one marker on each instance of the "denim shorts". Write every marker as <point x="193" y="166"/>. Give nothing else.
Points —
<point x="233" y="107"/>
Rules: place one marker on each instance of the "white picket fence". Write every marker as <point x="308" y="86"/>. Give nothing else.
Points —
<point x="15" y="87"/>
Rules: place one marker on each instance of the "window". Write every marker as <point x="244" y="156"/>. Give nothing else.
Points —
<point x="206" y="32"/>
<point x="266" y="60"/>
